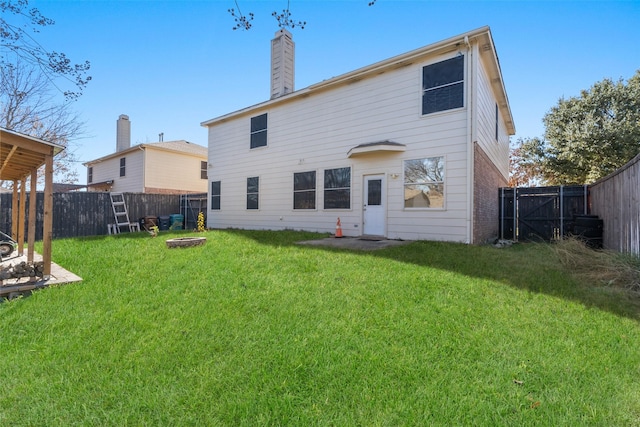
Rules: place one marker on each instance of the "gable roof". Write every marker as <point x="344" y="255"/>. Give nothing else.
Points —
<point x="181" y="146"/>
<point x="481" y="35"/>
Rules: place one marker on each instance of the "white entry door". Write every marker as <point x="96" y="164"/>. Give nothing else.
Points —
<point x="374" y="205"/>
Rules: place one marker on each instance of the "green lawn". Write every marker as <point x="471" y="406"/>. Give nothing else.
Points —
<point x="252" y="329"/>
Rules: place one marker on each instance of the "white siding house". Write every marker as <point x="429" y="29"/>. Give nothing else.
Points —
<point x="413" y="147"/>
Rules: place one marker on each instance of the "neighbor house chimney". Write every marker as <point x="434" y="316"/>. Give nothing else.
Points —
<point x="282" y="63"/>
<point x="123" y="133"/>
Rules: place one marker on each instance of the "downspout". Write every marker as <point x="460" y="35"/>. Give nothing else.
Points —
<point x="144" y="170"/>
<point x="470" y="130"/>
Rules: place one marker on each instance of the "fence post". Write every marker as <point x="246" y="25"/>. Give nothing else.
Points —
<point x="515" y="211"/>
<point x="586" y="194"/>
<point x="561" y="212"/>
<point x="502" y="213"/>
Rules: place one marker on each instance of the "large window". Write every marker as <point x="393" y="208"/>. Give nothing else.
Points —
<point x="443" y="85"/>
<point x="304" y="190"/>
<point x="424" y="183"/>
<point x="337" y="188"/>
<point x="123" y="166"/>
<point x="259" y="131"/>
<point x="253" y="189"/>
<point x="203" y="170"/>
<point x="215" y="195"/>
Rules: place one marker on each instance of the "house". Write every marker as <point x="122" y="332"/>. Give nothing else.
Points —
<point x="172" y="167"/>
<point x="413" y="147"/>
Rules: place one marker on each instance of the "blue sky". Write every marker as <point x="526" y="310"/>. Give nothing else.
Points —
<point x="170" y="65"/>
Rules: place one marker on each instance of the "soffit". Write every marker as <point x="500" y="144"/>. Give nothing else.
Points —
<point x="20" y="154"/>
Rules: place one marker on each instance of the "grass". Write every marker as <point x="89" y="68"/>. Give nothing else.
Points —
<point x="252" y="329"/>
<point x="600" y="267"/>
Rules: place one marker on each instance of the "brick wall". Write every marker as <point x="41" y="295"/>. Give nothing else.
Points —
<point x="486" y="210"/>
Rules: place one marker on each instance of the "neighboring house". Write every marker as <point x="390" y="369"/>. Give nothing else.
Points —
<point x="412" y="147"/>
<point x="172" y="167"/>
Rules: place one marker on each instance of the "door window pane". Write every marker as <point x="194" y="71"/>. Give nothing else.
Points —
<point x="374" y="192"/>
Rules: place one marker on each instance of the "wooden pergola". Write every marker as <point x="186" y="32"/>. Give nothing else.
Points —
<point x="20" y="158"/>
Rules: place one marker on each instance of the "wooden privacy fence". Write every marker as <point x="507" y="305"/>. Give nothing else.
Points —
<point x="78" y="214"/>
<point x="616" y="199"/>
<point x="542" y="213"/>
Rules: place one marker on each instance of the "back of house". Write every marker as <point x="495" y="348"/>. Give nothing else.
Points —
<point x="412" y="147"/>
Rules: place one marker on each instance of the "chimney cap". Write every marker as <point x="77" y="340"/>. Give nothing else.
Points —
<point x="123" y="117"/>
<point x="283" y="31"/>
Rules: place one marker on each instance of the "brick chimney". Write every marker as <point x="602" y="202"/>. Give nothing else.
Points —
<point x="282" y="63"/>
<point x="123" y="133"/>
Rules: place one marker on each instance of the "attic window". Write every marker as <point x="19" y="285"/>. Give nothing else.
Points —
<point x="259" y="131"/>
<point x="443" y="85"/>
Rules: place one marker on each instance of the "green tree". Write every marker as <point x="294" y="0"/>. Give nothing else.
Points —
<point x="590" y="136"/>
<point x="525" y="158"/>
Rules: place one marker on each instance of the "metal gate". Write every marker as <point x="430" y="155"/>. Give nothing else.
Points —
<point x="543" y="213"/>
<point x="190" y="206"/>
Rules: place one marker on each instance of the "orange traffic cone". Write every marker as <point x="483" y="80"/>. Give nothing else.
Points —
<point x="338" y="229"/>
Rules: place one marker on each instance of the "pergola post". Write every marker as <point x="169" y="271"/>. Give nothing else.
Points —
<point x="22" y="208"/>
<point x="14" y="211"/>
<point x="47" y="226"/>
<point x="31" y="232"/>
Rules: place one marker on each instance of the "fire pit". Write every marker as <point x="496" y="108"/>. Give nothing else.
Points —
<point x="185" y="242"/>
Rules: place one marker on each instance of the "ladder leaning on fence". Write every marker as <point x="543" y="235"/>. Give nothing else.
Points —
<point x="121" y="215"/>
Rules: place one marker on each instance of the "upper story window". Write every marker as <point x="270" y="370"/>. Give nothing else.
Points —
<point x="304" y="190"/>
<point x="203" y="170"/>
<point x="215" y="195"/>
<point x="424" y="183"/>
<point x="90" y="175"/>
<point x="259" y="131"/>
<point x="337" y="188"/>
<point x="123" y="166"/>
<point x="443" y="85"/>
